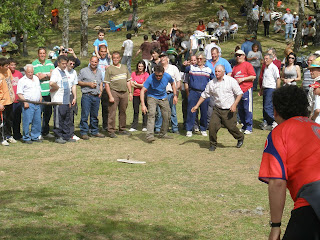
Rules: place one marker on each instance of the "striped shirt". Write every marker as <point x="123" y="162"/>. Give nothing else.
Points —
<point x="117" y="77"/>
<point x="198" y="77"/>
<point x="46" y="69"/>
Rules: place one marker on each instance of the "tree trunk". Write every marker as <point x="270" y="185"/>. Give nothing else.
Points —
<point x="317" y="27"/>
<point x="271" y="5"/>
<point x="84" y="28"/>
<point x="65" y="34"/>
<point x="297" y="43"/>
<point x="24" y="44"/>
<point x="134" y="13"/>
<point x="252" y="20"/>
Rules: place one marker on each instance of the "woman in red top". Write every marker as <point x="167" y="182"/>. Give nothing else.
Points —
<point x="201" y="27"/>
<point x="138" y="78"/>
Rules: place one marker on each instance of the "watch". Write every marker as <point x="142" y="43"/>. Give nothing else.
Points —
<point x="272" y="224"/>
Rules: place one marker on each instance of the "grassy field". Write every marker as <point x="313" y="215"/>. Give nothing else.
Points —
<point x="79" y="190"/>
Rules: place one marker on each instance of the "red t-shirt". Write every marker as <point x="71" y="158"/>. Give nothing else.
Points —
<point x="241" y="70"/>
<point x="201" y="28"/>
<point x="15" y="79"/>
<point x="292" y="153"/>
<point x="139" y="79"/>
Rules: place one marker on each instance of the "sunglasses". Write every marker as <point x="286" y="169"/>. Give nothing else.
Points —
<point x="159" y="75"/>
<point x="292" y="58"/>
<point x="238" y="55"/>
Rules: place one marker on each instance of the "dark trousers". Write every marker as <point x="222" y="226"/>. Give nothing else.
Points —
<point x="303" y="224"/>
<point x="228" y="119"/>
<point x="7" y="121"/>
<point x="267" y="105"/>
<point x="136" y="106"/>
<point x="73" y="110"/>
<point x="61" y="117"/>
<point x="266" y="25"/>
<point x="184" y="107"/>
<point x="104" y="105"/>
<point x="46" y="115"/>
<point x="121" y="103"/>
<point x="16" y="120"/>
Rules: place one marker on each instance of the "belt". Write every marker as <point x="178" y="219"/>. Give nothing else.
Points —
<point x="196" y="90"/>
<point x="95" y="95"/>
<point x="169" y="92"/>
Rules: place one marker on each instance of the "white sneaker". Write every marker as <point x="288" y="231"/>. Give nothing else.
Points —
<point x="49" y="135"/>
<point x="144" y="129"/>
<point x="132" y="130"/>
<point x="75" y="138"/>
<point x="189" y="134"/>
<point x="40" y="137"/>
<point x="4" y="143"/>
<point x="204" y="133"/>
<point x="247" y="132"/>
<point x="11" y="140"/>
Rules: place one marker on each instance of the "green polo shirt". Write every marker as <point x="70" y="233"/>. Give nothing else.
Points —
<point x="43" y="68"/>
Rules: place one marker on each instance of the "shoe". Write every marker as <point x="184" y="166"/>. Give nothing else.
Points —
<point x="144" y="129"/>
<point x="240" y="143"/>
<point x="104" y="129"/>
<point x="189" y="134"/>
<point x="124" y="133"/>
<point x="71" y="140"/>
<point x="11" y="140"/>
<point x="247" y="132"/>
<point x="268" y="128"/>
<point x="113" y="135"/>
<point x="196" y="130"/>
<point x="150" y="139"/>
<point x="98" y="135"/>
<point x="85" y="137"/>
<point x="4" y="143"/>
<point x="27" y="142"/>
<point x="176" y="132"/>
<point x="60" y="141"/>
<point x="40" y="137"/>
<point x="132" y="130"/>
<point x="75" y="138"/>
<point x="204" y="133"/>
<point x="37" y="140"/>
<point x="166" y="136"/>
<point x="49" y="135"/>
<point x="212" y="148"/>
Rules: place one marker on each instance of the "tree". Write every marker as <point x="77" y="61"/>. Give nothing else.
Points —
<point x="134" y="13"/>
<point x="317" y="27"/>
<point x="65" y="33"/>
<point x="84" y="28"/>
<point x="252" y="19"/>
<point x="297" y="43"/>
<point x="271" y="5"/>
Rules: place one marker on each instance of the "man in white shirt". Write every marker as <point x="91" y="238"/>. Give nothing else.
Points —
<point x="227" y="94"/>
<point x="127" y="46"/>
<point x="29" y="89"/>
<point x="207" y="50"/>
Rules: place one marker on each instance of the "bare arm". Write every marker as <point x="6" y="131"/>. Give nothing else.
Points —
<point x="175" y="98"/>
<point x="96" y="52"/>
<point x="111" y="99"/>
<point x="130" y="90"/>
<point x="143" y="105"/>
<point x="74" y="93"/>
<point x="194" y="109"/>
<point x="246" y="79"/>
<point x="53" y="86"/>
<point x="315" y="114"/>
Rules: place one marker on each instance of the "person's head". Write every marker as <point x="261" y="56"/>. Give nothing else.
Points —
<point x="237" y="48"/>
<point x="304" y="25"/>
<point x="225" y="19"/>
<point x="164" y="59"/>
<point x="221" y="7"/>
<point x="193" y="60"/>
<point x="141" y="66"/>
<point x="129" y="35"/>
<point x="158" y="72"/>
<point x="212" y="20"/>
<point x="233" y="22"/>
<point x="174" y="25"/>
<point x="310" y="59"/>
<point x="42" y="54"/>
<point x="200" y="59"/>
<point x="71" y="62"/>
<point x="12" y="64"/>
<point x="268" y="59"/>
<point x="164" y="32"/>
<point x="28" y="69"/>
<point x="145" y="37"/>
<point x="116" y="58"/>
<point x="222" y="23"/>
<point x="101" y="34"/>
<point x="255" y="47"/>
<point x="154" y="37"/>
<point x="294" y="14"/>
<point x="200" y="22"/>
<point x="311" y="25"/>
<point x="315" y="68"/>
<point x="215" y="54"/>
<point x="4" y="64"/>
<point x="240" y="56"/>
<point x="273" y="52"/>
<point x="94" y="61"/>
<point x="155" y="53"/>
<point x="219" y="71"/>
<point x="289" y="101"/>
<point x="291" y="59"/>
<point x="288" y="10"/>
<point x="62" y="62"/>
<point x="316" y="88"/>
<point x="267" y="9"/>
<point x="103" y="51"/>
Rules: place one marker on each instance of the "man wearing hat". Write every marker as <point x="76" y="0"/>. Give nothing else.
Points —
<point x="295" y="19"/>
<point x="207" y="50"/>
<point x="288" y="22"/>
<point x="315" y="75"/>
<point x="244" y="73"/>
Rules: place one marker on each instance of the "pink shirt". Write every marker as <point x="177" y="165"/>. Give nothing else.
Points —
<point x="140" y="79"/>
<point x="15" y="79"/>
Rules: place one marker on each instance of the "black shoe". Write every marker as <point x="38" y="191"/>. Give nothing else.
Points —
<point x="240" y="143"/>
<point x="60" y="141"/>
<point x="27" y="142"/>
<point x="124" y="133"/>
<point x="71" y="140"/>
<point x="212" y="148"/>
<point x="113" y="135"/>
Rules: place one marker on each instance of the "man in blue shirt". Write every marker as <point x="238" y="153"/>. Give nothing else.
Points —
<point x="156" y="85"/>
<point x="247" y="45"/>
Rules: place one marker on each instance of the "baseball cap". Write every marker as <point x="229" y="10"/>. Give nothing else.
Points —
<point x="315" y="85"/>
<point x="288" y="9"/>
<point x="315" y="63"/>
<point x="240" y="52"/>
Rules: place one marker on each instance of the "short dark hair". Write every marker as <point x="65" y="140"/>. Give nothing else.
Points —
<point x="290" y="101"/>
<point x="3" y="61"/>
<point x="101" y="31"/>
<point x="215" y="49"/>
<point x="158" y="68"/>
<point x="129" y="35"/>
<point x="12" y="60"/>
<point x="154" y="37"/>
<point x="42" y="48"/>
<point x="116" y="53"/>
<point x="103" y="46"/>
<point x="62" y="58"/>
<point x="71" y="58"/>
<point x="145" y="37"/>
<point x="157" y="50"/>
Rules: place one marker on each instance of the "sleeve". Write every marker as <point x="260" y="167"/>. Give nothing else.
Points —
<point x="96" y="43"/>
<point x="236" y="87"/>
<point x="227" y="67"/>
<point x="19" y="87"/>
<point x="107" y="76"/>
<point x="317" y="102"/>
<point x="54" y="76"/>
<point x="77" y="63"/>
<point x="80" y="76"/>
<point x="206" y="93"/>
<point x="187" y="69"/>
<point x="170" y="80"/>
<point x="105" y="42"/>
<point x="177" y="75"/>
<point x="38" y="80"/>
<point x="251" y="71"/>
<point x="75" y="81"/>
<point x="273" y="166"/>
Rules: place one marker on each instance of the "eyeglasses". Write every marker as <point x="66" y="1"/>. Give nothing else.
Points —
<point x="199" y="58"/>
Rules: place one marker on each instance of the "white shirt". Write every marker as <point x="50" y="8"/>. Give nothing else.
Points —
<point x="288" y="18"/>
<point x="59" y="77"/>
<point x="207" y="50"/>
<point x="234" y="27"/>
<point x="223" y="92"/>
<point x="128" y="47"/>
<point x="212" y="25"/>
<point x="175" y="74"/>
<point x="194" y="42"/>
<point x="270" y="76"/>
<point x="72" y="78"/>
<point x="29" y="88"/>
<point x="317" y="106"/>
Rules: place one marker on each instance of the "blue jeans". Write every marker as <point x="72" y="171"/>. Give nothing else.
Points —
<point x="31" y="115"/>
<point x="191" y="117"/>
<point x="174" y="119"/>
<point x="257" y="70"/>
<point x="245" y="110"/>
<point x="267" y="105"/>
<point x="289" y="28"/>
<point x="127" y="60"/>
<point x="89" y="105"/>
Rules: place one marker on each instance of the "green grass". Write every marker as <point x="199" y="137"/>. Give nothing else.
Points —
<point x="79" y="190"/>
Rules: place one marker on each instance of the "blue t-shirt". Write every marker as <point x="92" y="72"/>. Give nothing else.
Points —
<point x="156" y="88"/>
<point x="222" y="62"/>
<point x="98" y="43"/>
<point x="246" y="47"/>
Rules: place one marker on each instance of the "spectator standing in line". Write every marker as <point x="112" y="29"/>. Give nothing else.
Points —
<point x="266" y="19"/>
<point x="145" y="49"/>
<point x="222" y="13"/>
<point x="17" y="106"/>
<point x="42" y="69"/>
<point x="154" y="43"/>
<point x="99" y="42"/>
<point x="29" y="89"/>
<point x="127" y="47"/>
<point x="287" y="19"/>
<point x="137" y="79"/>
<point x="155" y="53"/>
<point x="255" y="57"/>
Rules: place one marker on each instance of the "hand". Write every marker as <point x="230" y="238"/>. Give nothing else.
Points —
<point x="175" y="100"/>
<point x="233" y="108"/>
<point x="74" y="101"/>
<point x="70" y="50"/>
<point x="1" y="108"/>
<point x="93" y="85"/>
<point x="111" y="99"/>
<point x="194" y="109"/>
<point x="144" y="109"/>
<point x="275" y="233"/>
<point x="240" y="80"/>
<point x="260" y="92"/>
<point x="109" y="56"/>
<point x="26" y="105"/>
<point x="130" y="97"/>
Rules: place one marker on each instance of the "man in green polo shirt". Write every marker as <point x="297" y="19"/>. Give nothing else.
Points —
<point x="42" y="69"/>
